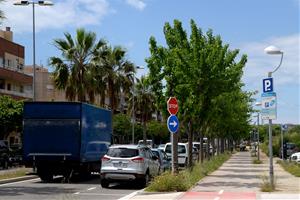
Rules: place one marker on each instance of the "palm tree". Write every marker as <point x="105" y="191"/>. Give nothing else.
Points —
<point x="144" y="103"/>
<point x="75" y="71"/>
<point x="1" y="13"/>
<point x="117" y="73"/>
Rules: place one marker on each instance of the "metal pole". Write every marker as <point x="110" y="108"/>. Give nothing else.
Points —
<point x="282" y="157"/>
<point x="258" y="154"/>
<point x="133" y="113"/>
<point x="271" y="154"/>
<point x="33" y="44"/>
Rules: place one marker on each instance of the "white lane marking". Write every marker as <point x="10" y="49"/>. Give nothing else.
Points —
<point x="30" y="180"/>
<point x="221" y="191"/>
<point x="98" y="194"/>
<point x="76" y="193"/>
<point x="92" y="188"/>
<point x="129" y="196"/>
<point x="217" y="198"/>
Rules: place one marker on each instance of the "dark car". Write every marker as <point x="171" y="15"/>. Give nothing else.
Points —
<point x="163" y="159"/>
<point x="16" y="155"/>
<point x="4" y="155"/>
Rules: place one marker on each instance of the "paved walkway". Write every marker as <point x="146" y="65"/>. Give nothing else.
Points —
<point x="238" y="178"/>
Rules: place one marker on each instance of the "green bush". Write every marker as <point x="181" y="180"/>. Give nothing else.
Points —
<point x="167" y="182"/>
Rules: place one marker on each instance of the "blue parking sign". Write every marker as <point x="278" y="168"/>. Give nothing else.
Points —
<point x="268" y="85"/>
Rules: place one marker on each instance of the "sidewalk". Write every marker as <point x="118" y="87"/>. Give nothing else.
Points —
<point x="237" y="178"/>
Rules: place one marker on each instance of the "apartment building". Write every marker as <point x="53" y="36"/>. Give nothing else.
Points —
<point x="13" y="81"/>
<point x="44" y="85"/>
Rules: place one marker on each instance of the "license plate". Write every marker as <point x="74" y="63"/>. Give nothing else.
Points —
<point x="120" y="165"/>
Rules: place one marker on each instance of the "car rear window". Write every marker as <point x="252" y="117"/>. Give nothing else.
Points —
<point x="181" y="149"/>
<point x="122" y="152"/>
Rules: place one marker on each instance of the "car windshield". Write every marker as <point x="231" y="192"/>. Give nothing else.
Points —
<point x="122" y="152"/>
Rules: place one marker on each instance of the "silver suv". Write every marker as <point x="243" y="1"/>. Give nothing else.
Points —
<point x="128" y="163"/>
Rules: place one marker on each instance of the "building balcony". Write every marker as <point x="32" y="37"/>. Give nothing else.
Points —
<point x="17" y="95"/>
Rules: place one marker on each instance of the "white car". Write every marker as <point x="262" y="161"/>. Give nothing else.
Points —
<point x="182" y="153"/>
<point x="128" y="163"/>
<point x="295" y="157"/>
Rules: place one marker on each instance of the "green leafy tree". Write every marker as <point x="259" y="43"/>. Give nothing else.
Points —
<point x="121" y="128"/>
<point x="158" y="132"/>
<point x="74" y="71"/>
<point x="199" y="70"/>
<point x="11" y="115"/>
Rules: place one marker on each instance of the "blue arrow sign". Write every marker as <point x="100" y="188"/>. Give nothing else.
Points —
<point x="173" y="123"/>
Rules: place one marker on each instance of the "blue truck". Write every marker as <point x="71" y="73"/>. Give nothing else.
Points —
<point x="65" y="138"/>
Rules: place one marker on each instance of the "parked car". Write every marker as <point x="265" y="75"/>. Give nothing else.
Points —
<point x="161" y="146"/>
<point x="164" y="160"/>
<point x="128" y="163"/>
<point x="4" y="155"/>
<point x="16" y="155"/>
<point x="197" y="146"/>
<point x="149" y="143"/>
<point x="295" y="157"/>
<point x="182" y="153"/>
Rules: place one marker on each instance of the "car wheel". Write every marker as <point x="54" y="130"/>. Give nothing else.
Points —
<point x="104" y="183"/>
<point x="144" y="181"/>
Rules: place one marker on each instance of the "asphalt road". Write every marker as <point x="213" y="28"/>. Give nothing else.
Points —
<point x="79" y="189"/>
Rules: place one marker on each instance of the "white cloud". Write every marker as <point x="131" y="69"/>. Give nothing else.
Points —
<point x="67" y="13"/>
<point x="259" y="63"/>
<point x="138" y="4"/>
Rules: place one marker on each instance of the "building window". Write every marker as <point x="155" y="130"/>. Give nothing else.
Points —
<point x="1" y="62"/>
<point x="2" y="84"/>
<point x="21" y="88"/>
<point x="9" y="86"/>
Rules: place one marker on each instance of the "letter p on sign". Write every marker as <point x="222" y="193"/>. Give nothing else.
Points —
<point x="268" y="85"/>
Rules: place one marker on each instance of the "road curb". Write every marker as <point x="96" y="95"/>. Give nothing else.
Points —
<point x="22" y="178"/>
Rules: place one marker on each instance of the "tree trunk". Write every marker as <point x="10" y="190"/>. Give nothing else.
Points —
<point x="190" y="144"/>
<point x="222" y="145"/>
<point x="201" y="148"/>
<point x="218" y="146"/>
<point x="208" y="148"/>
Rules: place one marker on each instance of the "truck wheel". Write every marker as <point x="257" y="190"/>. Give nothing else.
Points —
<point x="5" y="164"/>
<point x="104" y="183"/>
<point x="45" y="176"/>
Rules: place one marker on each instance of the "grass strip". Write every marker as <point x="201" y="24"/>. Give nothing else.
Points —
<point x="186" y="178"/>
<point x="291" y="167"/>
<point x="14" y="174"/>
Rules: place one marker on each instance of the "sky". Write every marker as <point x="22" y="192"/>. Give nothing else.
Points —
<point x="248" y="25"/>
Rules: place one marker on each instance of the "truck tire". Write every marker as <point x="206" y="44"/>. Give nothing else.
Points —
<point x="45" y="175"/>
<point x="104" y="183"/>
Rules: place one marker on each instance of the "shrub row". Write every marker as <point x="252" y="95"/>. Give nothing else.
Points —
<point x="185" y="179"/>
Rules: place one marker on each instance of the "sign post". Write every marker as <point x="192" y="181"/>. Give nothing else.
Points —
<point x="269" y="112"/>
<point x="173" y="125"/>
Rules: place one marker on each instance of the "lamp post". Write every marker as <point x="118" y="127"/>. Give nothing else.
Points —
<point x="133" y="110"/>
<point x="272" y="50"/>
<point x="40" y="3"/>
<point x="258" y="153"/>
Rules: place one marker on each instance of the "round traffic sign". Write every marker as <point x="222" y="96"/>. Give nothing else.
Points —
<point x="172" y="105"/>
<point x="173" y="123"/>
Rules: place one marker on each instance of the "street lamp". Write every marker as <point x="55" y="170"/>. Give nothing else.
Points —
<point x="133" y="110"/>
<point x="40" y="3"/>
<point x="272" y="50"/>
